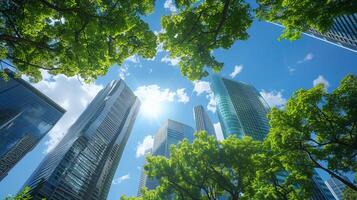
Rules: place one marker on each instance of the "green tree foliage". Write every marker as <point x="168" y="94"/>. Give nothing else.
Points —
<point x="73" y="37"/>
<point x="198" y="28"/>
<point x="23" y="195"/>
<point x="316" y="127"/>
<point x="302" y="15"/>
<point x="349" y="194"/>
<point x="208" y="169"/>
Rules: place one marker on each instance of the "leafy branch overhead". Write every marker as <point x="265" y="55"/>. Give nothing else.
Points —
<point x="199" y="28"/>
<point x="73" y="37"/>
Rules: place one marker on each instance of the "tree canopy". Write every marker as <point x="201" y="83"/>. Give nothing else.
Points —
<point x="198" y="28"/>
<point x="209" y="169"/>
<point x="318" y="129"/>
<point x="85" y="37"/>
<point x="70" y="37"/>
<point x="303" y="15"/>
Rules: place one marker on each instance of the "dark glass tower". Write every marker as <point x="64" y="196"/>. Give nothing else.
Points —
<point x="171" y="132"/>
<point x="342" y="33"/>
<point x="26" y="116"/>
<point x="83" y="164"/>
<point x="203" y="122"/>
<point x="240" y="107"/>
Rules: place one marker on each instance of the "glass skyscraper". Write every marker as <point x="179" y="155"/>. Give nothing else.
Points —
<point x="336" y="187"/>
<point x="171" y="132"/>
<point x="26" y="116"/>
<point x="82" y="165"/>
<point x="242" y="111"/>
<point x="203" y="122"/>
<point x="240" y="107"/>
<point x="342" y="33"/>
<point x="319" y="189"/>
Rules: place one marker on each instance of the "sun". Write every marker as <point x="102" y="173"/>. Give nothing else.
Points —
<point x="151" y="107"/>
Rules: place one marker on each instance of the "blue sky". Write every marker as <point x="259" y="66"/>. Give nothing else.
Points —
<point x="275" y="68"/>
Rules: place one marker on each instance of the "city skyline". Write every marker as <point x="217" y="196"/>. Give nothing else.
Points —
<point x="276" y="69"/>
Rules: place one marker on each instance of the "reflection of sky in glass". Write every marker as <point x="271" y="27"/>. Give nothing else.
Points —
<point x="25" y="117"/>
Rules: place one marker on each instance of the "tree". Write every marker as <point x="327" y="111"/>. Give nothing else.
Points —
<point x="349" y="194"/>
<point x="198" y="28"/>
<point x="73" y="37"/>
<point x="317" y="129"/>
<point x="303" y="15"/>
<point x="208" y="169"/>
<point x="23" y="195"/>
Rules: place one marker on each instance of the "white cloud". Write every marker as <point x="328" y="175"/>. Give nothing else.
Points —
<point x="169" y="4"/>
<point x="145" y="146"/>
<point x="170" y="61"/>
<point x="72" y="95"/>
<point x="133" y="59"/>
<point x="218" y="130"/>
<point x="274" y="98"/>
<point x="200" y="87"/>
<point x="121" y="179"/>
<point x="291" y="70"/>
<point x="236" y="71"/>
<point x="154" y="91"/>
<point x="308" y="57"/>
<point x="123" y="71"/>
<point x="212" y="104"/>
<point x="321" y="80"/>
<point x="182" y="95"/>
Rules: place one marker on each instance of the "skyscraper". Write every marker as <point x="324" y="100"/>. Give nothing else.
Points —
<point x="319" y="189"/>
<point x="336" y="187"/>
<point x="241" y="109"/>
<point x="26" y="116"/>
<point x="171" y="132"/>
<point x="203" y="122"/>
<point x="342" y="33"/>
<point x="83" y="164"/>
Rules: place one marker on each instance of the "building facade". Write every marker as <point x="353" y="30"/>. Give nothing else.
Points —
<point x="336" y="187"/>
<point x="203" y="121"/>
<point x="171" y="132"/>
<point x="241" y="109"/>
<point x="82" y="165"/>
<point x="319" y="189"/>
<point x="26" y="116"/>
<point x="343" y="32"/>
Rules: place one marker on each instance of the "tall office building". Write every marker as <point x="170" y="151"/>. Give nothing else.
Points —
<point x="242" y="111"/>
<point x="336" y="187"/>
<point x="240" y="107"/>
<point x="319" y="189"/>
<point x="171" y="132"/>
<point x="343" y="32"/>
<point x="26" y="116"/>
<point x="203" y="122"/>
<point x="82" y="165"/>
